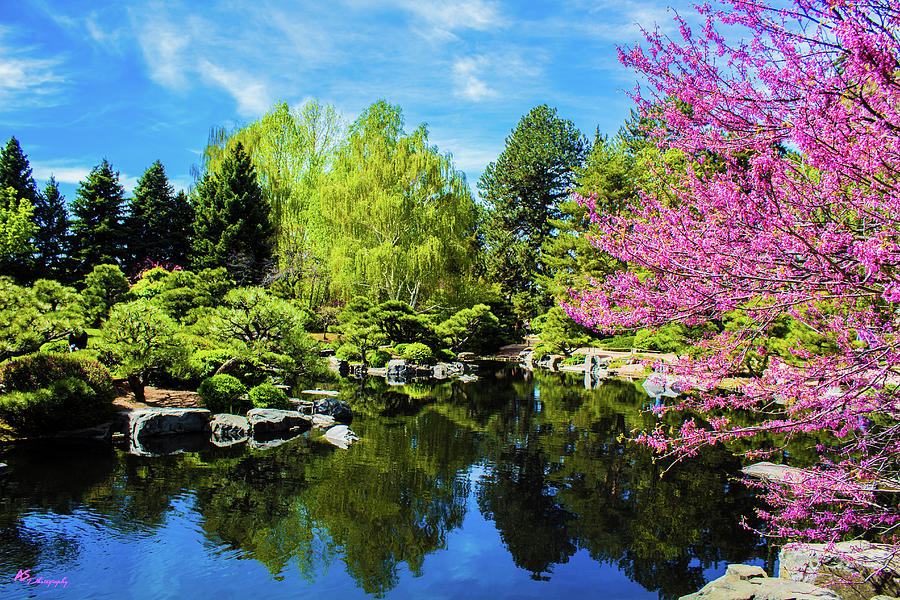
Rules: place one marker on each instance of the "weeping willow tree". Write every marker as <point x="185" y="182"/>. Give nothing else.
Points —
<point x="395" y="218"/>
<point x="291" y="150"/>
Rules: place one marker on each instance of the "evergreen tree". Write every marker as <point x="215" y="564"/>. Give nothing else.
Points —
<point x="523" y="189"/>
<point x="97" y="230"/>
<point x="158" y="221"/>
<point x="232" y="226"/>
<point x="50" y="239"/>
<point x="15" y="173"/>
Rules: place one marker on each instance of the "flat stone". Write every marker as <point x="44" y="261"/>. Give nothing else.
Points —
<point x="341" y="436"/>
<point x="226" y="429"/>
<point x="834" y="567"/>
<point x="466" y="356"/>
<point x="341" y="367"/>
<point x="323" y="421"/>
<point x="267" y="421"/>
<point x="270" y="442"/>
<point x="745" y="582"/>
<point x="302" y="406"/>
<point x="775" y="473"/>
<point x="331" y="393"/>
<point x="148" y="422"/>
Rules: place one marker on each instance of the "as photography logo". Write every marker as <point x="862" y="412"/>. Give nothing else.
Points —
<point x="26" y="577"/>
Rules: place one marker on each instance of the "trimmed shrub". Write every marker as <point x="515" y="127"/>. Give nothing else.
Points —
<point x="348" y="352"/>
<point x="31" y="373"/>
<point x="400" y="349"/>
<point x="266" y="395"/>
<point x="418" y="353"/>
<point x="446" y="355"/>
<point x="222" y="393"/>
<point x="379" y="358"/>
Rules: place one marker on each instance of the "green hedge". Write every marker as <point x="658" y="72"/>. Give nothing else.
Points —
<point x="418" y="353"/>
<point x="378" y="358"/>
<point x="222" y="393"/>
<point x="267" y="395"/>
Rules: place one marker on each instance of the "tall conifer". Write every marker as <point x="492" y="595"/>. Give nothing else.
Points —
<point x="97" y="230"/>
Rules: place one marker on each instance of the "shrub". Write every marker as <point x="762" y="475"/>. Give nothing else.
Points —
<point x="418" y="353"/>
<point x="266" y="395"/>
<point x="222" y="393"/>
<point x="348" y="352"/>
<point x="68" y="403"/>
<point x="446" y="355"/>
<point x="31" y="373"/>
<point x="400" y="349"/>
<point x="379" y="357"/>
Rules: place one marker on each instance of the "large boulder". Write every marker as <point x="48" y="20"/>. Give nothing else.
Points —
<point x="745" y="582"/>
<point x="149" y="422"/>
<point x="269" y="421"/>
<point x="226" y="429"/>
<point x="836" y="566"/>
<point x="338" y="409"/>
<point x="341" y="436"/>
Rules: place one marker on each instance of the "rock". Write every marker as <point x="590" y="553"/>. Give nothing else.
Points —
<point x="468" y="378"/>
<point x="304" y="407"/>
<point x="338" y="409"/>
<point x="228" y="429"/>
<point x="338" y="366"/>
<point x="833" y="567"/>
<point x="775" y="473"/>
<point x="164" y="445"/>
<point x="323" y="421"/>
<point x="357" y="371"/>
<point x="464" y="356"/>
<point x="149" y="422"/>
<point x="341" y="436"/>
<point x="269" y="421"/>
<point x="4" y="469"/>
<point x="317" y="392"/>
<point x="745" y="582"/>
<point x="397" y="372"/>
<point x="553" y="362"/>
<point x="272" y="441"/>
<point x="440" y="371"/>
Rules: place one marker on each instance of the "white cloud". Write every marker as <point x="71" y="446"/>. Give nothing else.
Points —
<point x="26" y="80"/>
<point x="63" y="172"/>
<point x="164" y="46"/>
<point x="251" y="96"/>
<point x="468" y="75"/>
<point x="450" y="15"/>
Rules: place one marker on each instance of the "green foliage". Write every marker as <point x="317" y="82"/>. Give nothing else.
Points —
<point x="50" y="392"/>
<point x="31" y="317"/>
<point x="523" y="189"/>
<point x="379" y="357"/>
<point x="469" y="329"/>
<point x="418" y="353"/>
<point x="141" y="339"/>
<point x="348" y="352"/>
<point x="16" y="229"/>
<point x="222" y="393"/>
<point x="672" y="337"/>
<point x="97" y="231"/>
<point x="401" y="324"/>
<point x="159" y="221"/>
<point x="622" y="340"/>
<point x="394" y="214"/>
<point x="232" y="226"/>
<point x="184" y="295"/>
<point x="51" y="219"/>
<point x="266" y="395"/>
<point x="445" y="355"/>
<point x="104" y="286"/>
<point x="399" y="349"/>
<point x="561" y="334"/>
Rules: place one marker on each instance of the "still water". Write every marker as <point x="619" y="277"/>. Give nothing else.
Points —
<point x="518" y="485"/>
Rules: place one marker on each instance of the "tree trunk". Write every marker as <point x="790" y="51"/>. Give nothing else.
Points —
<point x="137" y="386"/>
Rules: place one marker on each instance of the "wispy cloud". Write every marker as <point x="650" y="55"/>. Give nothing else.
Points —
<point x="468" y="73"/>
<point x="26" y="80"/>
<point x="64" y="172"/>
<point x="251" y="95"/>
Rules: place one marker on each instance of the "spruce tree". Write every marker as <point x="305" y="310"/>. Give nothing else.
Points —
<point x="158" y="221"/>
<point x="232" y="226"/>
<point x="50" y="239"/>
<point x="97" y="230"/>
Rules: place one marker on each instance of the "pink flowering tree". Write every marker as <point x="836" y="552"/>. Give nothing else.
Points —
<point x="785" y="202"/>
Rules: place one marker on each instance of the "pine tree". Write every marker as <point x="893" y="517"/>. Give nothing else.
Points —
<point x="232" y="226"/>
<point x="15" y="173"/>
<point x="50" y="239"/>
<point x="97" y="230"/>
<point x="158" y="221"/>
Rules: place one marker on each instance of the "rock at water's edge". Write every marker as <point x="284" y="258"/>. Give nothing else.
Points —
<point x="745" y="582"/>
<point x="833" y="567"/>
<point x="341" y="436"/>
<point x="338" y="409"/>
<point x="267" y="421"/>
<point x="226" y="429"/>
<point x="147" y="422"/>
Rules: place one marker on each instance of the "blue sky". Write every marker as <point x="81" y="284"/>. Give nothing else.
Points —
<point x="135" y="81"/>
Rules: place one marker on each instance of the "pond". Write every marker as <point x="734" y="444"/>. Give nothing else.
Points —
<point x="518" y="485"/>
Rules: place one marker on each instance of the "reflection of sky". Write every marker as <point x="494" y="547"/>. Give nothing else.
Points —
<point x="177" y="561"/>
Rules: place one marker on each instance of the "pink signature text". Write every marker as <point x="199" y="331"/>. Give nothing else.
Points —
<point x="26" y="577"/>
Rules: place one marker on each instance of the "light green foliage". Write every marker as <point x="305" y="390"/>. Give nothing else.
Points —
<point x="673" y="337"/>
<point x="31" y="317"/>
<point x="232" y="226"/>
<point x="97" y="230"/>
<point x="401" y="324"/>
<point x="142" y="340"/>
<point x="291" y="150"/>
<point x="266" y="395"/>
<point x="560" y="334"/>
<point x="222" y="393"/>
<point x="16" y="225"/>
<point x="348" y="352"/>
<point x="379" y="357"/>
<point x="523" y="189"/>
<point x="252" y="322"/>
<point x="184" y="295"/>
<point x="418" y="353"/>
<point x="358" y="327"/>
<point x="104" y="286"/>
<point x="396" y="217"/>
<point x="468" y="328"/>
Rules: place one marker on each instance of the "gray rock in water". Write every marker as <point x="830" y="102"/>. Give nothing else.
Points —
<point x="440" y="371"/>
<point x="338" y="366"/>
<point x="356" y="371"/>
<point x="341" y="436"/>
<point x="466" y="356"/>
<point x="323" y="421"/>
<point x="303" y="406"/>
<point x="339" y="409"/>
<point x="164" y="445"/>
<point x="226" y="430"/>
<point x="4" y="469"/>
<point x="833" y="567"/>
<point x="149" y="422"/>
<point x="269" y="442"/>
<point x="269" y="421"/>
<point x="775" y="473"/>
<point x="745" y="582"/>
<point x="397" y="372"/>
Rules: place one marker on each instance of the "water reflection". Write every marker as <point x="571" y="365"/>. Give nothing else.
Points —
<point x="537" y="454"/>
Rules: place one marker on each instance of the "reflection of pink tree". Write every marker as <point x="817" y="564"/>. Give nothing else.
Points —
<point x="796" y="210"/>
